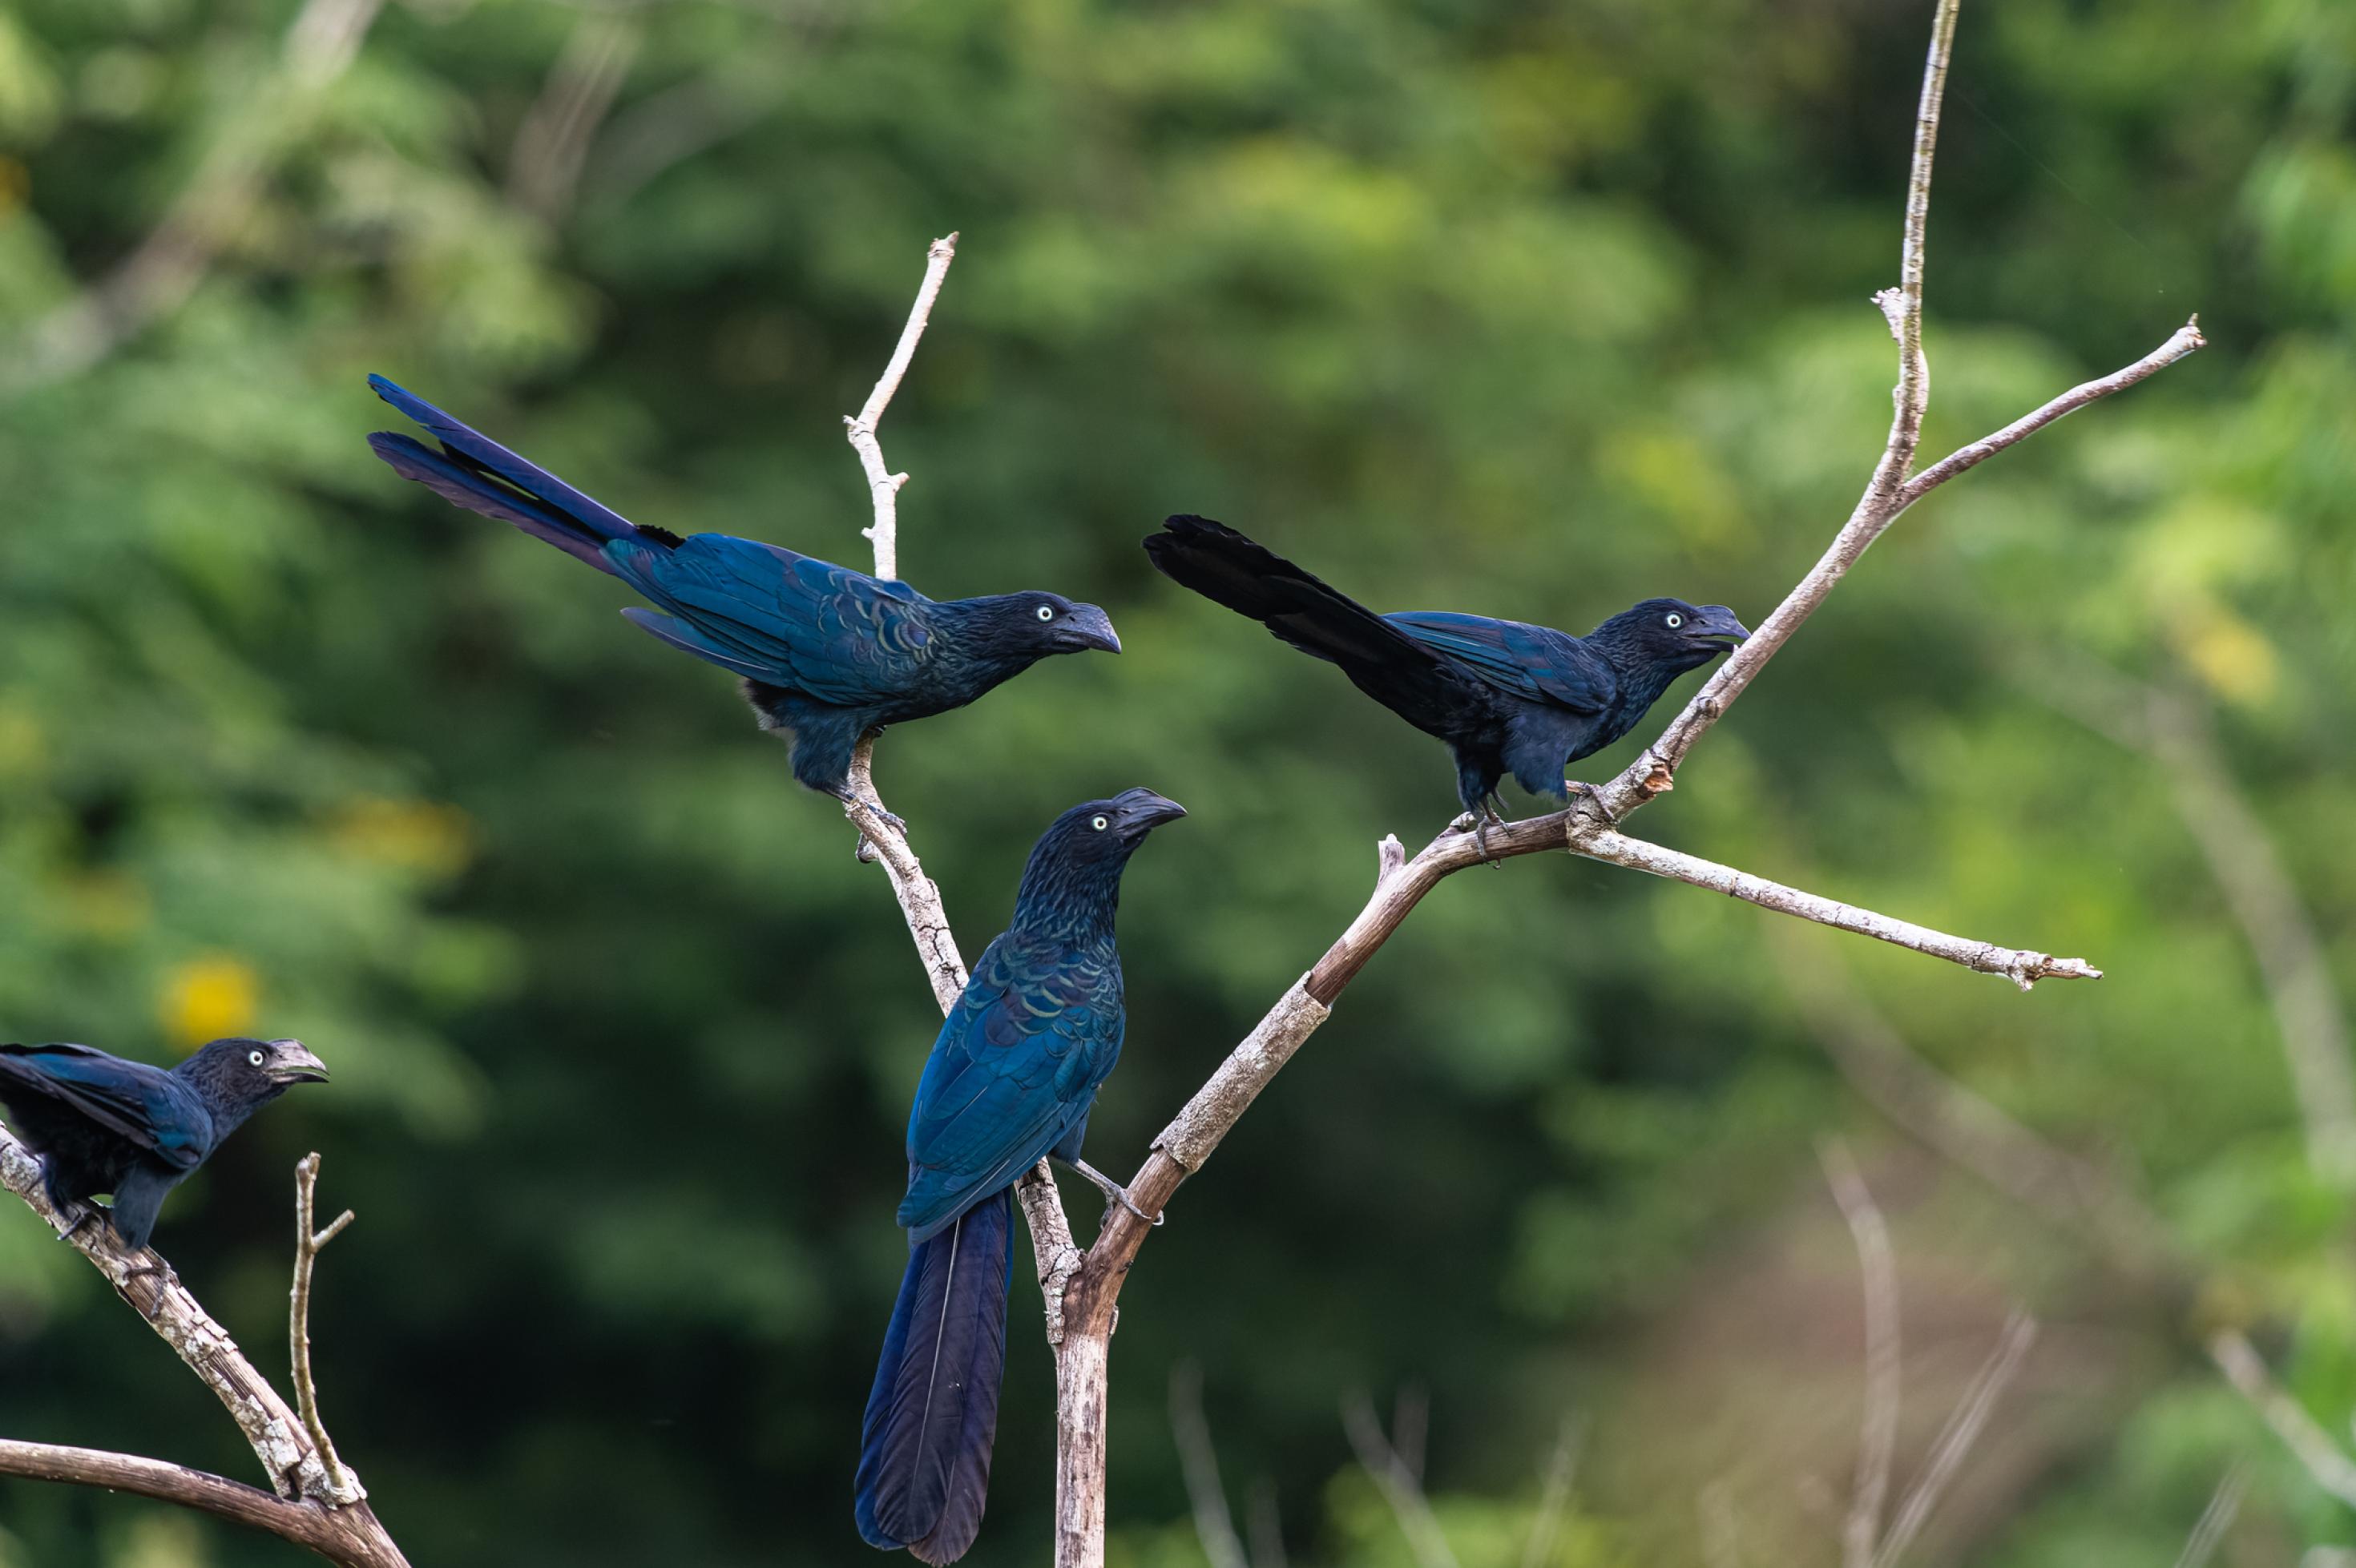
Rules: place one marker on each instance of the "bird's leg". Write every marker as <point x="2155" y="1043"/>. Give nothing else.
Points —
<point x="1114" y="1192"/>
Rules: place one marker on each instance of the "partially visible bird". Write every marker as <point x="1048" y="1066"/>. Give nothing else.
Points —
<point x="827" y="654"/>
<point x="1507" y="697"/>
<point x="1011" y="1079"/>
<point x="103" y="1125"/>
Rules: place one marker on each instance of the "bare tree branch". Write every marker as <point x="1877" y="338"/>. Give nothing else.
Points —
<point x="1955" y="1440"/>
<point x="883" y="484"/>
<point x="304" y="1523"/>
<point x="1398" y="1483"/>
<point x="552" y="142"/>
<point x="163" y="269"/>
<point x="1889" y="492"/>
<point x="2174" y="729"/>
<point x="1877" y="1426"/>
<point x="1198" y="1462"/>
<point x="1588" y="828"/>
<point x="2309" y="1444"/>
<point x="1961" y="1125"/>
<point x="1561" y="1470"/>
<point x="347" y="1533"/>
<point x="2225" y="1504"/>
<point x="343" y="1487"/>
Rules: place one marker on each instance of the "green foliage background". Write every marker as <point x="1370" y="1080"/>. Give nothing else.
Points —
<point x="1528" y="309"/>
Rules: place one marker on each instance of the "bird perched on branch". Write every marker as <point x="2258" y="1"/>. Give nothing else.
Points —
<point x="827" y="654"/>
<point x="1508" y="698"/>
<point x="103" y="1125"/>
<point x="1011" y="1079"/>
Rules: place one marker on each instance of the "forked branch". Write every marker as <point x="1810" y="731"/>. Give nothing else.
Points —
<point x="310" y="1508"/>
<point x="1589" y="827"/>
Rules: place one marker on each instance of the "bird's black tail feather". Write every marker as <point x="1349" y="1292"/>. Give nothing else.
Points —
<point x="478" y="474"/>
<point x="923" y="1454"/>
<point x="1382" y="661"/>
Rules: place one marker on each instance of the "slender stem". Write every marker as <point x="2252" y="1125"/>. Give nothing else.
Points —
<point x="1877" y="1427"/>
<point x="343" y="1487"/>
<point x="350" y="1534"/>
<point x="883" y="484"/>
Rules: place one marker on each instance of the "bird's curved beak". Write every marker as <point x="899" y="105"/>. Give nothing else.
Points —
<point x="291" y="1062"/>
<point x="1141" y="810"/>
<point x="1088" y="628"/>
<point x="1717" y="623"/>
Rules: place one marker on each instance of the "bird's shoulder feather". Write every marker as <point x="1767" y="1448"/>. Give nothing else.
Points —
<point x="1536" y="663"/>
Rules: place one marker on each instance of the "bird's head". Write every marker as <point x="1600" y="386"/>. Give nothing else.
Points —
<point x="1087" y="847"/>
<point x="1035" y="624"/>
<point x="244" y="1073"/>
<point x="1670" y="635"/>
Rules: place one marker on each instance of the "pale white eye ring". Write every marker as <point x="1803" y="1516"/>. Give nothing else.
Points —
<point x="1676" y="619"/>
<point x="254" y="1057"/>
<point x="1099" y="823"/>
<point x="1047" y="612"/>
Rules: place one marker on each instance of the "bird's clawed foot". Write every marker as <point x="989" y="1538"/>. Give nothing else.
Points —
<point x="87" y="1212"/>
<point x="1114" y="1192"/>
<point x="1594" y="798"/>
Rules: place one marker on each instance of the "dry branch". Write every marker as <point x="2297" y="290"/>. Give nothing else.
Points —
<point x="1877" y="1426"/>
<point x="164" y="268"/>
<point x="2174" y="730"/>
<point x="1588" y="828"/>
<point x="308" y="1512"/>
<point x="1198" y="1462"/>
<point x="343" y="1487"/>
<point x="1398" y="1483"/>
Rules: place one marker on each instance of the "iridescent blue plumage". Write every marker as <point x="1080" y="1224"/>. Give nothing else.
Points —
<point x="1507" y="696"/>
<point x="1012" y="1077"/>
<point x="104" y="1124"/>
<point x="826" y="653"/>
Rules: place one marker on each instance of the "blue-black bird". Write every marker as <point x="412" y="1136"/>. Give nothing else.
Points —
<point x="827" y="654"/>
<point x="1011" y="1077"/>
<point x="103" y="1125"/>
<point x="1507" y="697"/>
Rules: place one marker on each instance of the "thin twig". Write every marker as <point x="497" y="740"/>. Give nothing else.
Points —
<point x="343" y="1487"/>
<point x="347" y="1534"/>
<point x="1561" y="1470"/>
<point x="1877" y="1425"/>
<point x="1588" y="827"/>
<point x="2225" y="1504"/>
<point x="883" y="484"/>
<point x="2326" y="1462"/>
<point x="163" y="269"/>
<point x="1397" y="1483"/>
<point x="2176" y="733"/>
<point x="1198" y="1462"/>
<point x="1956" y="1438"/>
<point x="552" y="142"/>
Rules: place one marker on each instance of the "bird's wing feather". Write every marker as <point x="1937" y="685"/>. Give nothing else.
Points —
<point x="1018" y="1058"/>
<point x="1534" y="662"/>
<point x="144" y="1105"/>
<point x="791" y="620"/>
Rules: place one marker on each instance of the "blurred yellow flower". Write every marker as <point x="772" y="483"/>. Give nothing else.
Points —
<point x="2232" y="655"/>
<point x="205" y="998"/>
<point x="413" y="835"/>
